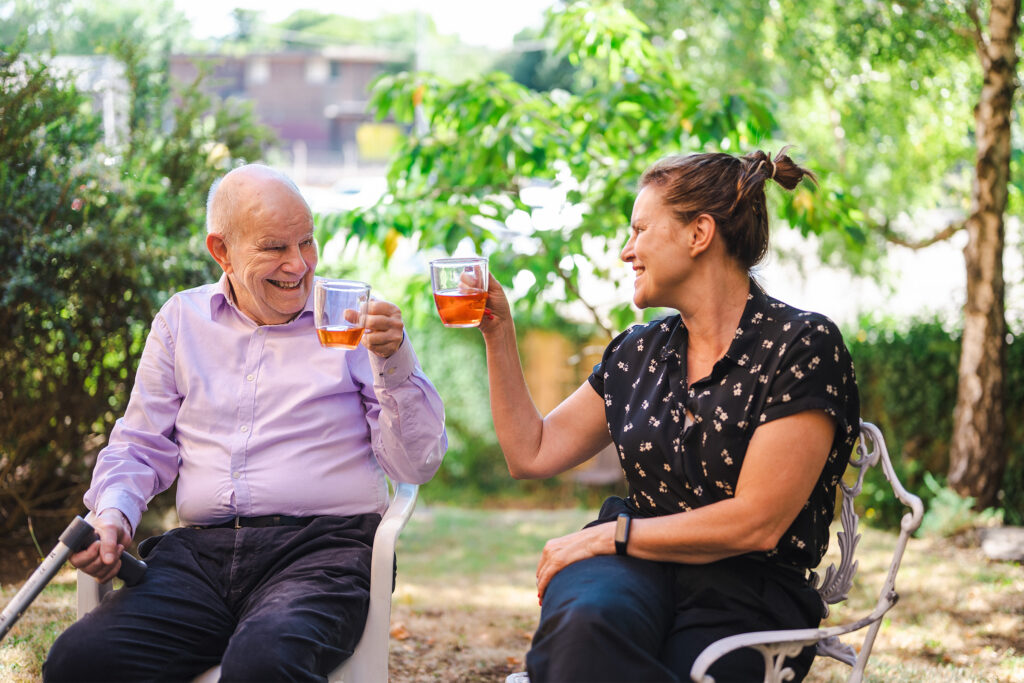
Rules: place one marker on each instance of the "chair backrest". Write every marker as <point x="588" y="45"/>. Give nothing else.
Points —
<point x="837" y="581"/>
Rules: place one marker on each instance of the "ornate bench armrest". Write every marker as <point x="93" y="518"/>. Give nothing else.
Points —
<point x="775" y="646"/>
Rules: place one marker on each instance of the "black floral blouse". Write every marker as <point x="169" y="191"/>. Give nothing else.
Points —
<point x="782" y="361"/>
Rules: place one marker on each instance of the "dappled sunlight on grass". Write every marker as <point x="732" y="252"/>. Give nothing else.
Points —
<point x="465" y="605"/>
<point x="23" y="649"/>
<point x="475" y="594"/>
<point x="960" y="617"/>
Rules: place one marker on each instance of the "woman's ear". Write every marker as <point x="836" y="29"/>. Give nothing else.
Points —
<point x="218" y="250"/>
<point x="702" y="233"/>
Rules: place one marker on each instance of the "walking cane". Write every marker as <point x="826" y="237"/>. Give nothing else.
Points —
<point x="78" y="536"/>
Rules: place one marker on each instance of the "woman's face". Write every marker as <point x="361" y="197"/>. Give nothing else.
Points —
<point x="657" y="251"/>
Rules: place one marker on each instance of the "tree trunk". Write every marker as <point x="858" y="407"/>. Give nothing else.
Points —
<point x="978" y="454"/>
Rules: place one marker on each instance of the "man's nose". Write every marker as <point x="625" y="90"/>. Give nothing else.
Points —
<point x="294" y="261"/>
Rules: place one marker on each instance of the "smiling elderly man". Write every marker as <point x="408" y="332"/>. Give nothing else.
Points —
<point x="279" y="447"/>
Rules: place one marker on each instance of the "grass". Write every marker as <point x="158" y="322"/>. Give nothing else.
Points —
<point x="465" y="605"/>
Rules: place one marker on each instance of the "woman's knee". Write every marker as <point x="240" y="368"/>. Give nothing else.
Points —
<point x="627" y="592"/>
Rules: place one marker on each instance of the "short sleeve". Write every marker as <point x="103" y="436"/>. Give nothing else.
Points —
<point x="815" y="372"/>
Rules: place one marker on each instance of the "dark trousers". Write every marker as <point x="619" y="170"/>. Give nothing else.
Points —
<point x="612" y="618"/>
<point x="268" y="604"/>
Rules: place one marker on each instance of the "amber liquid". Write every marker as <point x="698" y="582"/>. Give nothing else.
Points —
<point x="347" y="338"/>
<point x="460" y="309"/>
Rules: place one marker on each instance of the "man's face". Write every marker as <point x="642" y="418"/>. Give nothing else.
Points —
<point x="270" y="257"/>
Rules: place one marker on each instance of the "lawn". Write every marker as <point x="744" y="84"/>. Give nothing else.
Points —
<point x="465" y="604"/>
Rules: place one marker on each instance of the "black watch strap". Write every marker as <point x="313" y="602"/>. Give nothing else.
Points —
<point x="622" y="533"/>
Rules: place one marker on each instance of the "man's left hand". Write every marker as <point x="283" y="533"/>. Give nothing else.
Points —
<point x="384" y="328"/>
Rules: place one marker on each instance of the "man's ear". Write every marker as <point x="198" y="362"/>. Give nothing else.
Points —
<point x="218" y="250"/>
<point x="702" y="234"/>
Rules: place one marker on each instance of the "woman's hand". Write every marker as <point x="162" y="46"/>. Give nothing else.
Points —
<point x="498" y="312"/>
<point x="559" y="553"/>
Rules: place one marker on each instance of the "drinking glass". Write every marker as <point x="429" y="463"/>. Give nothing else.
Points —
<point x="460" y="290"/>
<point x="339" y="311"/>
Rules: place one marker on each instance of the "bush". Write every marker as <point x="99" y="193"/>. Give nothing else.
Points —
<point x="908" y="379"/>
<point x="94" y="240"/>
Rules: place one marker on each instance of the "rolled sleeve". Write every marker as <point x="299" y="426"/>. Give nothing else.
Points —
<point x="815" y="374"/>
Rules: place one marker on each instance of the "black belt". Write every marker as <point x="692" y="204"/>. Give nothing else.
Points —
<point x="257" y="522"/>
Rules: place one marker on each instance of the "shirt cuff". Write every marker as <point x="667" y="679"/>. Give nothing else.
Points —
<point x="391" y="371"/>
<point x="124" y="503"/>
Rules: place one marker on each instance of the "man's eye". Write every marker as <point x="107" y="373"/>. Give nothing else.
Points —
<point x="307" y="243"/>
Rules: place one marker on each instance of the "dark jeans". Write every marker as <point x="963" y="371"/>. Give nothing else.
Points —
<point x="268" y="604"/>
<point x="612" y="618"/>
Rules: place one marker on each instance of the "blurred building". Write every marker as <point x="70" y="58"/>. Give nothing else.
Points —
<point x="316" y="101"/>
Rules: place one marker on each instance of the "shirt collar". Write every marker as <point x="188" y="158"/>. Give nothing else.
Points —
<point x="746" y="339"/>
<point x="223" y="298"/>
<point x="748" y="334"/>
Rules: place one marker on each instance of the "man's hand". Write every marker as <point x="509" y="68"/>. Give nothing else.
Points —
<point x="384" y="328"/>
<point x="102" y="559"/>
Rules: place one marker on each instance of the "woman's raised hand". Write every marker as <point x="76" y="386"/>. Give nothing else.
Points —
<point x="498" y="312"/>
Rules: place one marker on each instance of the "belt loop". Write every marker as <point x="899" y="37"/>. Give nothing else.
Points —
<point x="238" y="524"/>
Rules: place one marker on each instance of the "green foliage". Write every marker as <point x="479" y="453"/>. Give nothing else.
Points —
<point x="879" y="95"/>
<point x="948" y="514"/>
<point x="907" y="375"/>
<point x="93" y="241"/>
<point x="85" y="27"/>
<point x="490" y="138"/>
<point x="537" y="69"/>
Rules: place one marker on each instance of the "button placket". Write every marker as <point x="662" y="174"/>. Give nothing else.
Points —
<point x="246" y="415"/>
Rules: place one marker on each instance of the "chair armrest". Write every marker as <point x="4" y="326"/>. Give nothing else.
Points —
<point x="369" y="661"/>
<point x="775" y="646"/>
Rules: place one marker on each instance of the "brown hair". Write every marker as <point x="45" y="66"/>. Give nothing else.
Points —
<point x="730" y="189"/>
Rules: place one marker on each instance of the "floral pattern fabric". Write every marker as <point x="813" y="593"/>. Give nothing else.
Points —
<point x="682" y="447"/>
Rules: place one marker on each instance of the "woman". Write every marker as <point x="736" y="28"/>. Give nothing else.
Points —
<point x="733" y="420"/>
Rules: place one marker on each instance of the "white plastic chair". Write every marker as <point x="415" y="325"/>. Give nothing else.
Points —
<point x="369" y="661"/>
<point x="775" y="646"/>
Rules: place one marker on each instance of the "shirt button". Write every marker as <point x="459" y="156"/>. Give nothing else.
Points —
<point x="236" y="475"/>
<point x="244" y="428"/>
<point x="250" y="377"/>
<point x="392" y="371"/>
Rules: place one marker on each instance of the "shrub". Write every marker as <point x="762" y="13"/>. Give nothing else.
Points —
<point x="93" y="241"/>
<point x="907" y="376"/>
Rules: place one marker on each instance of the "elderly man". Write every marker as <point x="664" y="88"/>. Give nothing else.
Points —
<point x="279" y="448"/>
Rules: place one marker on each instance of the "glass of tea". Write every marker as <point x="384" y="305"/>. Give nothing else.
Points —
<point x="339" y="311"/>
<point x="460" y="290"/>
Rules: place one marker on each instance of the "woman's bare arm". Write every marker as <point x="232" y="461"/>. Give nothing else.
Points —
<point x="535" y="446"/>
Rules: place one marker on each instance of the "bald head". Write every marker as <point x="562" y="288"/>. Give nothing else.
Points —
<point x="240" y="195"/>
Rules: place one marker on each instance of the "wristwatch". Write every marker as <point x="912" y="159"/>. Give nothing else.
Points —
<point x="622" y="533"/>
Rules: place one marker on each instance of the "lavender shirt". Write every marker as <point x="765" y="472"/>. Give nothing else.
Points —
<point x="259" y="420"/>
